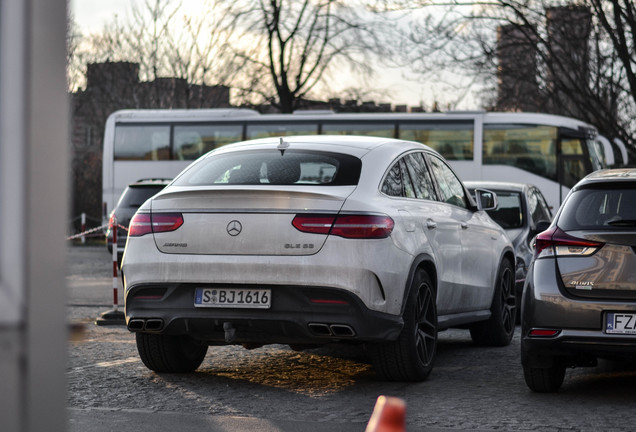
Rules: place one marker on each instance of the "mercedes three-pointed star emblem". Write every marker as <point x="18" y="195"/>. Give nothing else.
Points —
<point x="234" y="228"/>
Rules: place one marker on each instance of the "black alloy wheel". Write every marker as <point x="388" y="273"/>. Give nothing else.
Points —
<point x="412" y="355"/>
<point x="500" y="327"/>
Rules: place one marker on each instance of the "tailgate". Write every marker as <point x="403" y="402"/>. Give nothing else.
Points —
<point x="256" y="221"/>
<point x="609" y="273"/>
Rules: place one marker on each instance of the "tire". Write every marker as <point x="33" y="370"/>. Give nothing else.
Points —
<point x="170" y="354"/>
<point x="500" y="327"/>
<point x="412" y="355"/>
<point x="544" y="379"/>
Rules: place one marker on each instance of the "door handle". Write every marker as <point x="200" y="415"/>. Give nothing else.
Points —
<point x="464" y="225"/>
<point x="431" y="224"/>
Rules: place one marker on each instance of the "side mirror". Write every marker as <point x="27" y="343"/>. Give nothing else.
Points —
<point x="486" y="200"/>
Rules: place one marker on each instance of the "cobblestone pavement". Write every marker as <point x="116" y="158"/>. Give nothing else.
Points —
<point x="470" y="388"/>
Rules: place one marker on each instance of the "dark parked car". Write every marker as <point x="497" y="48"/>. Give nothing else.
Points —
<point x="579" y="301"/>
<point x="131" y="199"/>
<point x="522" y="212"/>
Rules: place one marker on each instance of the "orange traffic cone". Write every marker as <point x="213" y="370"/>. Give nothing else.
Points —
<point x="389" y="415"/>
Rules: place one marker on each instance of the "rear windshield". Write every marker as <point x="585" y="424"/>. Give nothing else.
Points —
<point x="136" y="196"/>
<point x="600" y="209"/>
<point x="293" y="167"/>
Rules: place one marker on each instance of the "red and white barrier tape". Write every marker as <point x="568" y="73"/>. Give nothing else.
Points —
<point x="94" y="230"/>
<point x="90" y="231"/>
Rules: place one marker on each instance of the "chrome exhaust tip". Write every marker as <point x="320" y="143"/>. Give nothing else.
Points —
<point x="319" y="329"/>
<point x="342" y="330"/>
<point x="154" y="324"/>
<point x="136" y="325"/>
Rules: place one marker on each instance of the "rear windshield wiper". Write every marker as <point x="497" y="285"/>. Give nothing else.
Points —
<point x="623" y="222"/>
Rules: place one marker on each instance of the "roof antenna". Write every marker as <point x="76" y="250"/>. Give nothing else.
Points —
<point x="284" y="145"/>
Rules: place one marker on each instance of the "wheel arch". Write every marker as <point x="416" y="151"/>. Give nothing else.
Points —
<point x="509" y="254"/>
<point x="424" y="262"/>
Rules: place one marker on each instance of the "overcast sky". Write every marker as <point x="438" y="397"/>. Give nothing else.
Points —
<point x="91" y="15"/>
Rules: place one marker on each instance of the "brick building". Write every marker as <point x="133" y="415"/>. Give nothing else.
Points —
<point x="566" y="57"/>
<point x="518" y="87"/>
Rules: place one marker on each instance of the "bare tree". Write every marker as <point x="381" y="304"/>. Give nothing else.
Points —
<point x="575" y="60"/>
<point x="158" y="57"/>
<point x="165" y="41"/>
<point x="290" y="45"/>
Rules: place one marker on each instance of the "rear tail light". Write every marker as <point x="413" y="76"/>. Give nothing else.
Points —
<point x="556" y="242"/>
<point x="146" y="223"/>
<point x="347" y="226"/>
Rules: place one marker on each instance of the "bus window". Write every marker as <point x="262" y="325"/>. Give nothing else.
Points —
<point x="571" y="146"/>
<point x="374" y="128"/>
<point x="265" y="130"/>
<point x="573" y="171"/>
<point x="192" y="141"/>
<point x="532" y="148"/>
<point x="454" y="140"/>
<point x="142" y="142"/>
<point x="573" y="161"/>
<point x="597" y="154"/>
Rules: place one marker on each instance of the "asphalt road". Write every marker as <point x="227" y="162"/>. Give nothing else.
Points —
<point x="329" y="389"/>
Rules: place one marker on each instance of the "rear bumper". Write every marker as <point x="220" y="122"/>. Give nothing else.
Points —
<point x="298" y="315"/>
<point x="578" y="322"/>
<point x="376" y="277"/>
<point x="576" y="347"/>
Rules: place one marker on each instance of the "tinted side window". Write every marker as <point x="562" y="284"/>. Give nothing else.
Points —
<point x="400" y="180"/>
<point x="450" y="187"/>
<point x="508" y="213"/>
<point x="539" y="209"/>
<point x="531" y="148"/>
<point x="453" y="139"/>
<point x="409" y="190"/>
<point x="192" y="141"/>
<point x="393" y="185"/>
<point x="380" y="129"/>
<point x="422" y="182"/>
<point x="142" y="142"/>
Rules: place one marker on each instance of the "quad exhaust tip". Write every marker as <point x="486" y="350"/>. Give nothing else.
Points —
<point x="151" y="324"/>
<point x="331" y="330"/>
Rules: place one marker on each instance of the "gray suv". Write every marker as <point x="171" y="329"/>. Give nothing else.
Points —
<point x="579" y="301"/>
<point x="131" y="199"/>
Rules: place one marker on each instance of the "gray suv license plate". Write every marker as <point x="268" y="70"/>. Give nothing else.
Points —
<point x="620" y="323"/>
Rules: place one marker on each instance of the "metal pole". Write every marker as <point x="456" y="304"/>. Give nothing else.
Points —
<point x="115" y="266"/>
<point x="83" y="229"/>
<point x="114" y="316"/>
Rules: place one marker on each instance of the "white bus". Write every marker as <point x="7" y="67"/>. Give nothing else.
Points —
<point x="551" y="152"/>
